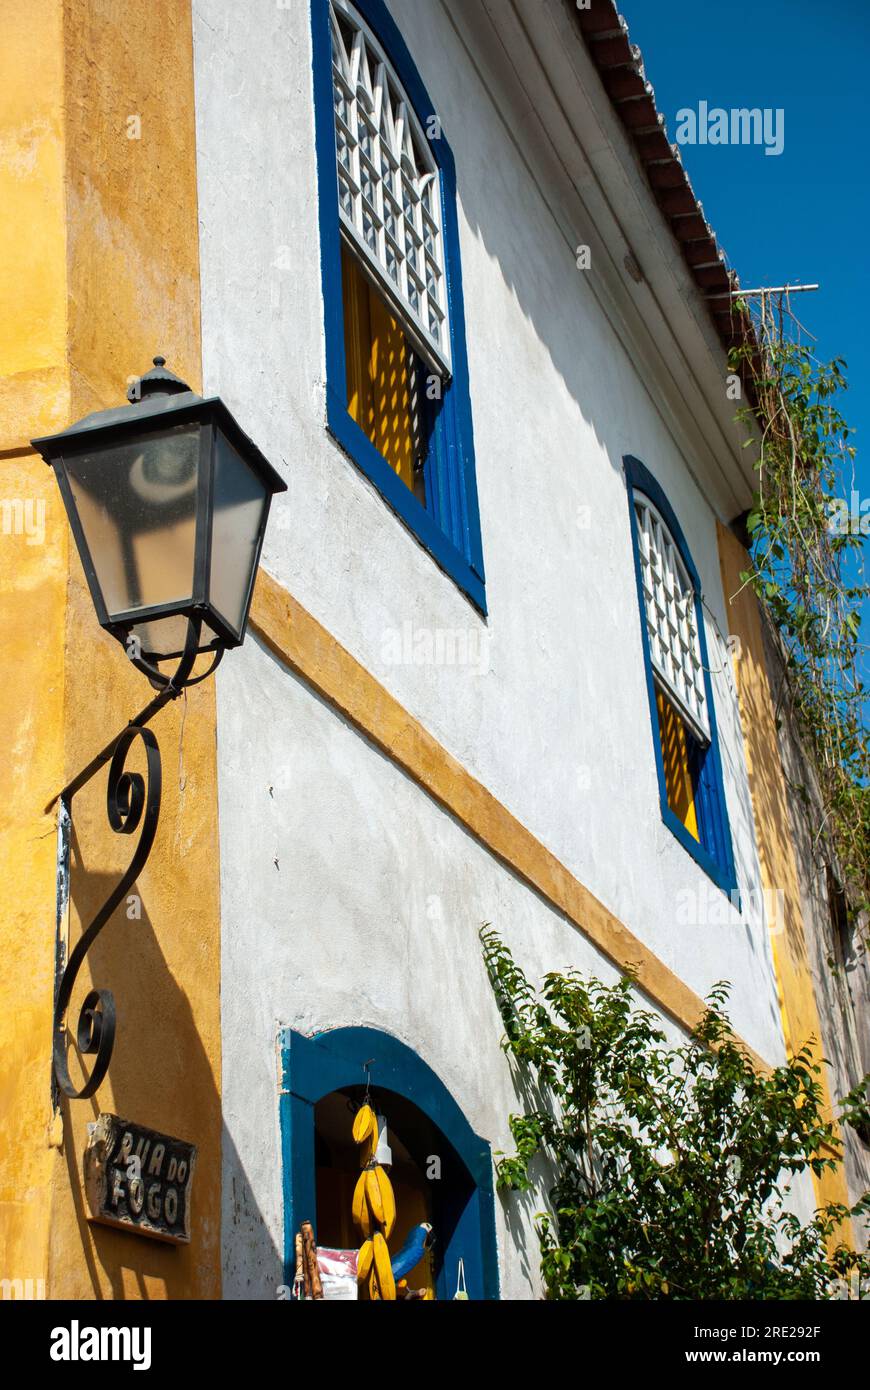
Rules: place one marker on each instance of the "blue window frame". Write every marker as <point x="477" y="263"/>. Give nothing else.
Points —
<point x="464" y="1215"/>
<point x="448" y="525"/>
<point x="712" y="849"/>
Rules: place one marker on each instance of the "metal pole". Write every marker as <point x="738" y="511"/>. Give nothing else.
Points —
<point x="772" y="289"/>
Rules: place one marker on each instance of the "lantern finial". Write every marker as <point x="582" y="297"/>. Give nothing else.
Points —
<point x="160" y="381"/>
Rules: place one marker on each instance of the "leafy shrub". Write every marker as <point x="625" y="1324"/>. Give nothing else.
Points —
<point x="671" y="1163"/>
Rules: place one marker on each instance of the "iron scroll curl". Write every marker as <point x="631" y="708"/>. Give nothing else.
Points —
<point x="131" y="799"/>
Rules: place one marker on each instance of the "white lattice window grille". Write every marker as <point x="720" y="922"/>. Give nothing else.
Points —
<point x="389" y="196"/>
<point x="671" y="619"/>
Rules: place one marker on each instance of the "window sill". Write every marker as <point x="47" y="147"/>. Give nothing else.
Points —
<point x="726" y="882"/>
<point x="359" y="448"/>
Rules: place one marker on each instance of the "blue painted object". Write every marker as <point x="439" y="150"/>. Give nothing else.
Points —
<point x="449" y="525"/>
<point x="420" y="1238"/>
<point x="714" y="853"/>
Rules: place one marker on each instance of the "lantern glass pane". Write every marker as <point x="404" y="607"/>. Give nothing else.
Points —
<point x="136" y="502"/>
<point x="239" y="502"/>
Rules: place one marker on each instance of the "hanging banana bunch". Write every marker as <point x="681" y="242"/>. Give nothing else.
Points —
<point x="374" y="1212"/>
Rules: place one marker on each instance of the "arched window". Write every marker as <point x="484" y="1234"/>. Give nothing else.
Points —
<point x="397" y="374"/>
<point x="441" y="1170"/>
<point x="678" y="679"/>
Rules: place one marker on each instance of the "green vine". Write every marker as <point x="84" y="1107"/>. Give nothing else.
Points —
<point x="806" y="551"/>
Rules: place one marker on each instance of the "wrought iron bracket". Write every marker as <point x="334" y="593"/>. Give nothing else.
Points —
<point x="131" y="800"/>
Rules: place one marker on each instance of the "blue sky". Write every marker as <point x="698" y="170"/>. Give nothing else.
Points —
<point x="802" y="216"/>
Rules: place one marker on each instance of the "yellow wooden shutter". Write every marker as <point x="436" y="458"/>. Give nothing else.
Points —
<point x="357" y="343"/>
<point x="379" y="365"/>
<point x="675" y="756"/>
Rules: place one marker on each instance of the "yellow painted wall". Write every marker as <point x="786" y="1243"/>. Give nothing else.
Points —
<point x="34" y="390"/>
<point x="108" y="237"/>
<point x="797" y="999"/>
<point x="34" y="397"/>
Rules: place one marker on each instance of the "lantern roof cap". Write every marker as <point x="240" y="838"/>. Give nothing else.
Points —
<point x="159" y="381"/>
<point x="157" y="396"/>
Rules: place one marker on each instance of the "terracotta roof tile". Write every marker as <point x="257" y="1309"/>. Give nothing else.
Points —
<point x="620" y="65"/>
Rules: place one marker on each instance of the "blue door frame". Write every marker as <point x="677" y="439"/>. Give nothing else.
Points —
<point x="313" y="1067"/>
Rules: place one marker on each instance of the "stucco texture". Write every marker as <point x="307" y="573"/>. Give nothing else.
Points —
<point x="106" y="277"/>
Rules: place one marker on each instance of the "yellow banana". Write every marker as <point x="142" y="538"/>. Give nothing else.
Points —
<point x="360" y="1206"/>
<point x="364" y="1261"/>
<point x="383" y="1268"/>
<point x="373" y="1192"/>
<point x="382" y="1201"/>
<point x="374" y="1204"/>
<point x="363" y="1122"/>
<point x="388" y="1201"/>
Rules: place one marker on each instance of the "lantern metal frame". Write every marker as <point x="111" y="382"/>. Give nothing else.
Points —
<point x="157" y="399"/>
<point x="160" y="400"/>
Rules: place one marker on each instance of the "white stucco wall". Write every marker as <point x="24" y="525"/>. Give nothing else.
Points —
<point x="556" y="725"/>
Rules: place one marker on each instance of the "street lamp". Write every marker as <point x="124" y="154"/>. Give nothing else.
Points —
<point x="168" y="500"/>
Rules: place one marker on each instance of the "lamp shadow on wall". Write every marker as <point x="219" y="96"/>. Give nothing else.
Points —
<point x="160" y="1076"/>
